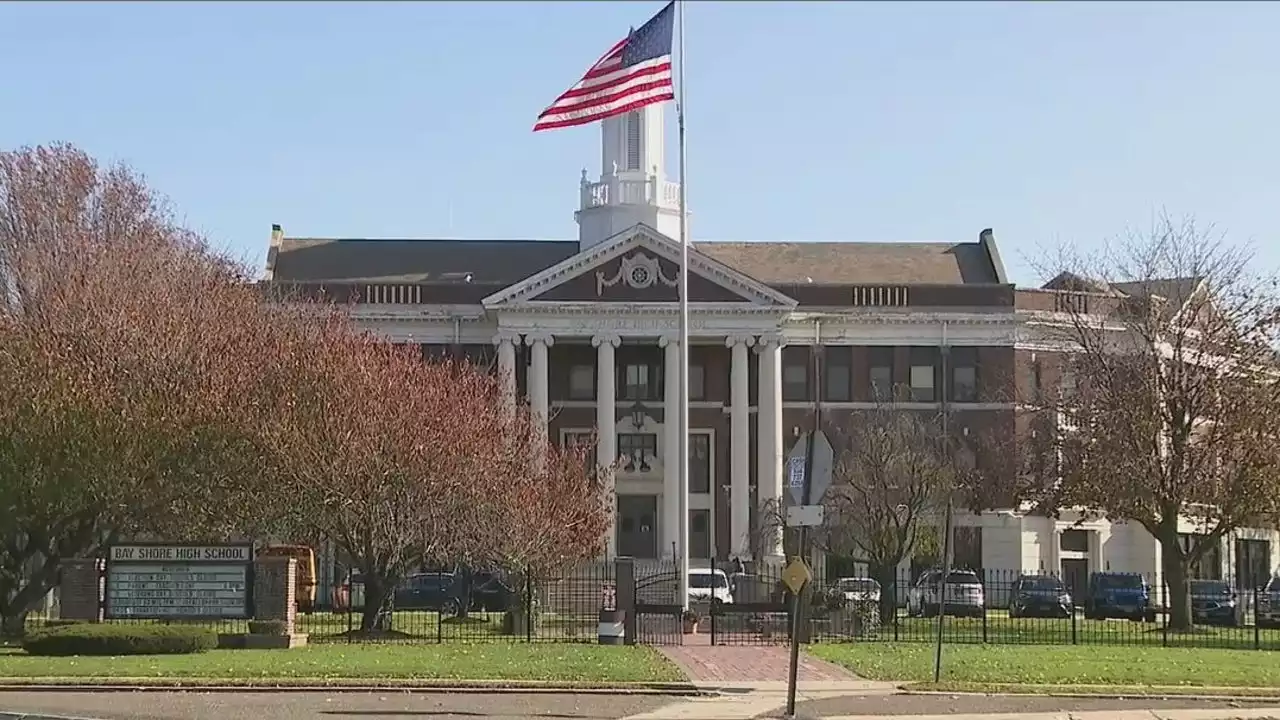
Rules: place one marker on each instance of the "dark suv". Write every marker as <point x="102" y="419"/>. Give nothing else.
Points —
<point x="1213" y="602"/>
<point x="1039" y="596"/>
<point x="1119" y="595"/>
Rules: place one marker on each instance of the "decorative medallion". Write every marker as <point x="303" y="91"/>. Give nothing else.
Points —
<point x="638" y="271"/>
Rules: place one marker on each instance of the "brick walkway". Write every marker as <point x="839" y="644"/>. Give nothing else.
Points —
<point x="703" y="662"/>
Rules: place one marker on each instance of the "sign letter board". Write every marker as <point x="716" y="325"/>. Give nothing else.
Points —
<point x="177" y="582"/>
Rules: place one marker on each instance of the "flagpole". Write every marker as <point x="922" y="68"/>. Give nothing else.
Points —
<point x="682" y="568"/>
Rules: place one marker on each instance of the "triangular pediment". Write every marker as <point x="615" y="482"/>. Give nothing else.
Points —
<point x="638" y="265"/>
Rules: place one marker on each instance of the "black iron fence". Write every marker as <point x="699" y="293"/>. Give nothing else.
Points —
<point x="440" y="607"/>
<point x="755" y="607"/>
<point x="465" y="606"/>
<point x="1008" y="607"/>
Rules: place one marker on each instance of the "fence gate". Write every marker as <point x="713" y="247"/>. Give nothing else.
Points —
<point x="758" y="614"/>
<point x="657" y="615"/>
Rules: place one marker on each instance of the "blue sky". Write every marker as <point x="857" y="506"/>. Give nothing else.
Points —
<point x="1050" y="122"/>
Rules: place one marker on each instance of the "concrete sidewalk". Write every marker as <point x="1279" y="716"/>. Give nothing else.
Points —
<point x="1200" y="714"/>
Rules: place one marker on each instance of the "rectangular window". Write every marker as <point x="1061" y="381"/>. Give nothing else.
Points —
<point x="1067" y="383"/>
<point x="968" y="549"/>
<point x="1209" y="565"/>
<point x="697" y="382"/>
<point x="582" y="382"/>
<point x="640" y="381"/>
<point x="576" y="438"/>
<point x="483" y="357"/>
<point x="1253" y="563"/>
<point x="636" y="451"/>
<point x="964" y="375"/>
<point x="924" y="368"/>
<point x="880" y="373"/>
<point x="837" y="374"/>
<point x="699" y="462"/>
<point x="700" y="533"/>
<point x="580" y="439"/>
<point x="795" y="374"/>
<point x="1074" y="541"/>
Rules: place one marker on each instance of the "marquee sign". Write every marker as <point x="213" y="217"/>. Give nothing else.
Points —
<point x="176" y="582"/>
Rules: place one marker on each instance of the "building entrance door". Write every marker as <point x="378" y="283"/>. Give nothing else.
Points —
<point x="637" y="526"/>
<point x="1075" y="575"/>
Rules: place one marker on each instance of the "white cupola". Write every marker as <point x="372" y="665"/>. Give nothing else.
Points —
<point x="633" y="187"/>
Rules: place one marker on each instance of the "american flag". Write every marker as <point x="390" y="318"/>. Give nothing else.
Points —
<point x="634" y="73"/>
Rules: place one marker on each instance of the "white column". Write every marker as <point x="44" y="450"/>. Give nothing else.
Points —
<point x="740" y="447"/>
<point x="538" y="395"/>
<point x="606" y="416"/>
<point x="769" y="447"/>
<point x="506" y="343"/>
<point x="670" y="446"/>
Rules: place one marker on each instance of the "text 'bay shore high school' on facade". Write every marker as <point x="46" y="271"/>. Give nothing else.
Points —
<point x="586" y="330"/>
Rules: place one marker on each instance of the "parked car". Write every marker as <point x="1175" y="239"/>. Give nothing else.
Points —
<point x="1039" y="596"/>
<point x="855" y="589"/>
<point x="1268" y="610"/>
<point x="1213" y="602"/>
<point x="964" y="595"/>
<point x="438" y="591"/>
<point x="429" y="591"/>
<point x="708" y="584"/>
<point x="1119" y="595"/>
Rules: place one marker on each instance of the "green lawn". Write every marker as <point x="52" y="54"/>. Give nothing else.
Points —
<point x="461" y="661"/>
<point x="1058" y="665"/>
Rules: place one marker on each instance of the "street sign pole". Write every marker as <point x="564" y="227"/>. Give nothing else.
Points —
<point x="806" y="498"/>
<point x="797" y="607"/>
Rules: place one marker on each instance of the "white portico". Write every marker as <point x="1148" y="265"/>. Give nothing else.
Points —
<point x="754" y="323"/>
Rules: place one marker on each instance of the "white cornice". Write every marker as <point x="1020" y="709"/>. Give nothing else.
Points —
<point x="578" y="309"/>
<point x="872" y="316"/>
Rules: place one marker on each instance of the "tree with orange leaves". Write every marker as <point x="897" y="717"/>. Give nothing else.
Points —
<point x="124" y="343"/>
<point x="403" y="462"/>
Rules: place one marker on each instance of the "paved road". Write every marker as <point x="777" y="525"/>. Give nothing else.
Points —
<point x="890" y="705"/>
<point x="329" y="706"/>
<point x="391" y="705"/>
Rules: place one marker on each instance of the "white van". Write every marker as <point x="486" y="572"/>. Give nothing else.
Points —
<point x="708" y="584"/>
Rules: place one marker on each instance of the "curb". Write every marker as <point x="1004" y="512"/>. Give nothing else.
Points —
<point x="355" y="686"/>
<point x="1155" y="695"/>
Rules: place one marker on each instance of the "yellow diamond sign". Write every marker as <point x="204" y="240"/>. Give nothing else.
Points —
<point x="796" y="576"/>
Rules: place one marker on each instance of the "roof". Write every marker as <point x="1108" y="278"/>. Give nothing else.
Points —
<point x="503" y="262"/>
<point x="489" y="262"/>
<point x="1175" y="291"/>
<point x="850" y="263"/>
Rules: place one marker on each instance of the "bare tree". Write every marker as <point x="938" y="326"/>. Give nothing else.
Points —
<point x="1167" y="417"/>
<point x="894" y="473"/>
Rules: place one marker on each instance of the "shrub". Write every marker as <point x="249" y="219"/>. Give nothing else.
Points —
<point x="105" y="639"/>
<point x="268" y="627"/>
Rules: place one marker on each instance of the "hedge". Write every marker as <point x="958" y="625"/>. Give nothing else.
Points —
<point x="268" y="627"/>
<point x="107" y="639"/>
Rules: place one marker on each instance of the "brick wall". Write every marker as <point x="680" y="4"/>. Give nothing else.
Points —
<point x="275" y="589"/>
<point x="80" y="589"/>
